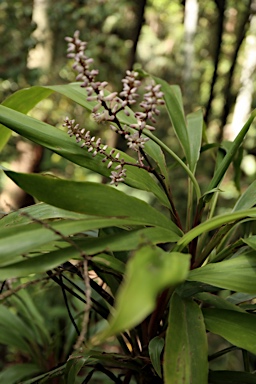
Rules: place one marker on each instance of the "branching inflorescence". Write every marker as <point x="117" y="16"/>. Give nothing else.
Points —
<point x="107" y="106"/>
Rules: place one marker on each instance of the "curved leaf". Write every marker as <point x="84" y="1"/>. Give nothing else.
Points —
<point x="195" y="130"/>
<point x="22" y="101"/>
<point x="222" y="168"/>
<point x="173" y="101"/>
<point x="214" y="223"/>
<point x="17" y="372"/>
<point x="38" y="211"/>
<point x="237" y="274"/>
<point x="236" y="327"/>
<point x="247" y="199"/>
<point x="155" y="348"/>
<point x="148" y="272"/>
<point x="60" y="143"/>
<point x="90" y="198"/>
<point x="231" y="377"/>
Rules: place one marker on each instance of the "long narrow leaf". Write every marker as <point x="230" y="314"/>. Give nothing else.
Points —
<point x="185" y="356"/>
<point x="237" y="274"/>
<point x="195" y="130"/>
<point x="236" y="327"/>
<point x="90" y="198"/>
<point x="221" y="170"/>
<point x="247" y="199"/>
<point x="173" y="101"/>
<point x="149" y="272"/>
<point x="22" y="101"/>
<point x="214" y="223"/>
<point x="59" y="142"/>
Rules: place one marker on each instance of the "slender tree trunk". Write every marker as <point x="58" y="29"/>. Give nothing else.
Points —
<point x="29" y="155"/>
<point x="221" y="6"/>
<point x="12" y="197"/>
<point x="244" y="97"/>
<point x="41" y="55"/>
<point x="140" y="12"/>
<point x="190" y="26"/>
<point x="228" y="95"/>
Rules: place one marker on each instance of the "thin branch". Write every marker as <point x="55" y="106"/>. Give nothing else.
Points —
<point x="87" y="309"/>
<point x="67" y="306"/>
<point x="12" y="291"/>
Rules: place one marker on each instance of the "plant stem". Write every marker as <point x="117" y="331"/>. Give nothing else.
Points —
<point x="176" y="157"/>
<point x="189" y="205"/>
<point x="246" y="360"/>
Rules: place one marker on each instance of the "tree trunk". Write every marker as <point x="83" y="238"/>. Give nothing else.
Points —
<point x="244" y="97"/>
<point x="13" y="197"/>
<point x="41" y="55"/>
<point x="190" y="25"/>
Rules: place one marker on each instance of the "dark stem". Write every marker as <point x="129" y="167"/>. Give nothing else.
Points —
<point x="67" y="306"/>
<point x="158" y="313"/>
<point x="174" y="212"/>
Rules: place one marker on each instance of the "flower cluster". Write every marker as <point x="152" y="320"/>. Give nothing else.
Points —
<point x="95" y="146"/>
<point x="107" y="106"/>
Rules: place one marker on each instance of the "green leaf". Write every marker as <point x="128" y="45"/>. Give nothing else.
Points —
<point x="127" y="240"/>
<point x="17" y="372"/>
<point x="13" y="331"/>
<point x="42" y="262"/>
<point x="47" y="377"/>
<point x="195" y="130"/>
<point x="251" y="241"/>
<point x="38" y="211"/>
<point x="26" y="308"/>
<point x="185" y="356"/>
<point x="109" y="262"/>
<point x="248" y="198"/>
<point x="148" y="273"/>
<point x="214" y="223"/>
<point x="221" y="170"/>
<point x="15" y="241"/>
<point x="240" y="297"/>
<point x="22" y="101"/>
<point x="217" y="301"/>
<point x="237" y="274"/>
<point x="72" y="369"/>
<point x="39" y="264"/>
<point x="60" y="143"/>
<point x="231" y="377"/>
<point x="155" y="349"/>
<point x="173" y="101"/>
<point x="90" y="198"/>
<point x="236" y="327"/>
<point x="154" y="151"/>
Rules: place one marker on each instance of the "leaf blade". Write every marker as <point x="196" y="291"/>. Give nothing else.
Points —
<point x="153" y="270"/>
<point x="186" y="344"/>
<point x="237" y="274"/>
<point x="236" y="327"/>
<point x="90" y="198"/>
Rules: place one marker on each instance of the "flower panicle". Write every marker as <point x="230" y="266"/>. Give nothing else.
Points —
<point x="95" y="146"/>
<point x="108" y="105"/>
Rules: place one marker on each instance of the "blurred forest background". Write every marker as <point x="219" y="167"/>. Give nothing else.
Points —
<point x="208" y="47"/>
